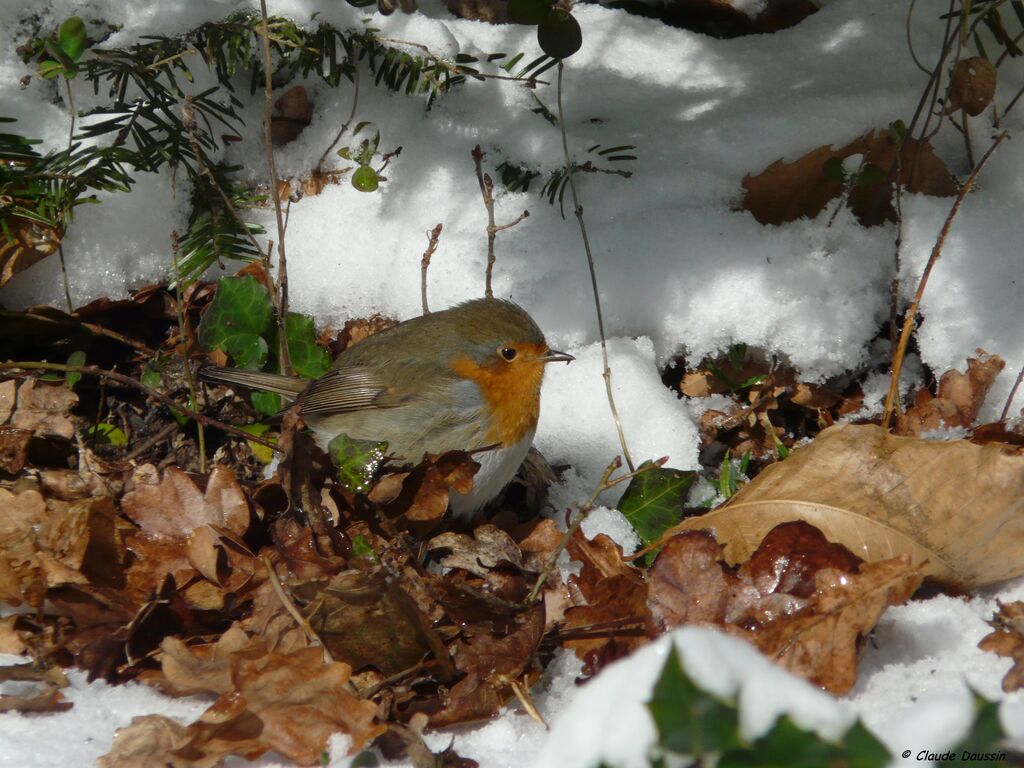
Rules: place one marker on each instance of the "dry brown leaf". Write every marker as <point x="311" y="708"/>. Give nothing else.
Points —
<point x="188" y="670"/>
<point x="13" y="449"/>
<point x="11" y="639"/>
<point x="788" y="191"/>
<point x="295" y="112"/>
<point x="971" y="86"/>
<point x="43" y="408"/>
<point x="173" y="506"/>
<point x="954" y="507"/>
<point x="46" y="699"/>
<point x="288" y="703"/>
<point x="803" y="601"/>
<point x="960" y="397"/>
<point x="1007" y="640"/>
<point x="8" y="397"/>
<point x="480" y="553"/>
<point x="24" y="243"/>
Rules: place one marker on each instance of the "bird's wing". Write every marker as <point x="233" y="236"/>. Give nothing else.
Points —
<point x="347" y="389"/>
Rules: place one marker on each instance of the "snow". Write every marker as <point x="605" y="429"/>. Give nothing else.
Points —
<point x="679" y="269"/>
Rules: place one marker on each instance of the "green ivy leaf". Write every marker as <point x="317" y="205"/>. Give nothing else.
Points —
<point x="653" y="501"/>
<point x="528" y="11"/>
<point x="72" y="38"/>
<point x="309" y="359"/>
<point x="365" y="179"/>
<point x="986" y="736"/>
<point x="267" y="403"/>
<point x="151" y="378"/>
<point x="106" y="433"/>
<point x="50" y="69"/>
<point x="787" y="746"/>
<point x="356" y="460"/>
<point x="73" y="377"/>
<point x="236" y="321"/>
<point x="559" y="34"/>
<point x="361" y="548"/>
<point x="261" y="452"/>
<point x="691" y="721"/>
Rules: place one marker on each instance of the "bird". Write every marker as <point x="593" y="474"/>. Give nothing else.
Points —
<point x="463" y="378"/>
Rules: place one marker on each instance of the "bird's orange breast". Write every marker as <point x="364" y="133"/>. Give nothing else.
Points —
<point x="511" y="392"/>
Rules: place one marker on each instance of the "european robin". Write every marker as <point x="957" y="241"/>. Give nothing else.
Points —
<point x="463" y="378"/>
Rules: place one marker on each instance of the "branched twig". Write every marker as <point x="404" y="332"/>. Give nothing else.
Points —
<point x="487" y="192"/>
<point x="593" y="273"/>
<point x="908" y="319"/>
<point x="282" y="261"/>
<point x="93" y="370"/>
<point x="99" y="330"/>
<point x="432" y="237"/>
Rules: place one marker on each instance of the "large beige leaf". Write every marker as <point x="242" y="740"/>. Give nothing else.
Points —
<point x="955" y="507"/>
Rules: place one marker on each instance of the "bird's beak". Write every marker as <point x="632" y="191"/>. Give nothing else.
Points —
<point x="554" y="356"/>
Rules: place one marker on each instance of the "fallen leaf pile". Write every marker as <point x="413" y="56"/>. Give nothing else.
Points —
<point x="304" y="609"/>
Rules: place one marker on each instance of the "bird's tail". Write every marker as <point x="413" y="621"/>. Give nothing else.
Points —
<point x="288" y="386"/>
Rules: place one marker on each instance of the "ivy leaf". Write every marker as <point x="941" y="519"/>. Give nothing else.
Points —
<point x="267" y="403"/>
<point x="356" y="460"/>
<point x="653" y="500"/>
<point x="834" y="170"/>
<point x="871" y="174"/>
<point x="236" y="321"/>
<point x="690" y="721"/>
<point x="263" y="454"/>
<point x="106" y="433"/>
<point x="72" y="38"/>
<point x="985" y="738"/>
<point x="151" y="377"/>
<point x="787" y="746"/>
<point x="73" y="377"/>
<point x="309" y="359"/>
<point x="361" y="547"/>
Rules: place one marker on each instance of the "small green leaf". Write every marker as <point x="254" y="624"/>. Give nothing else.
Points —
<point x="267" y="403"/>
<point x="691" y="721"/>
<point x="787" y="746"/>
<point x="365" y="179"/>
<point x="985" y="737"/>
<point x="899" y="130"/>
<point x="263" y="454"/>
<point x="106" y="433"/>
<point x="833" y="169"/>
<point x="73" y="377"/>
<point x="356" y="460"/>
<point x="72" y="38"/>
<point x="361" y="548"/>
<point x="653" y="501"/>
<point x="236" y="321"/>
<point x="151" y="378"/>
<point x="528" y="11"/>
<point x="559" y="35"/>
<point x="309" y="359"/>
<point x="50" y="69"/>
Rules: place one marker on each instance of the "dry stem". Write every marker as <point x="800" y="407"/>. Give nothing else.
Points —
<point x="344" y="127"/>
<point x="487" y="192"/>
<point x="432" y="236"/>
<point x="289" y="606"/>
<point x="282" y="261"/>
<point x="593" y="273"/>
<point x="911" y="313"/>
<point x="1013" y="394"/>
<point x="183" y="334"/>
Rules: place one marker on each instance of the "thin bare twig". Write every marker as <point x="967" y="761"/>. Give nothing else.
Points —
<point x="149" y="442"/>
<point x="282" y="261"/>
<point x="522" y="693"/>
<point x="183" y="334"/>
<point x="289" y="606"/>
<point x="64" y="272"/>
<point x="1013" y="394"/>
<point x="487" y="192"/>
<point x="593" y="273"/>
<point x="99" y="330"/>
<point x="128" y="381"/>
<point x="432" y="236"/>
<point x="341" y="132"/>
<point x="908" y="319"/>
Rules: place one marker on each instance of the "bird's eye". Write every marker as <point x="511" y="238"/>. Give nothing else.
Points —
<point x="508" y="353"/>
